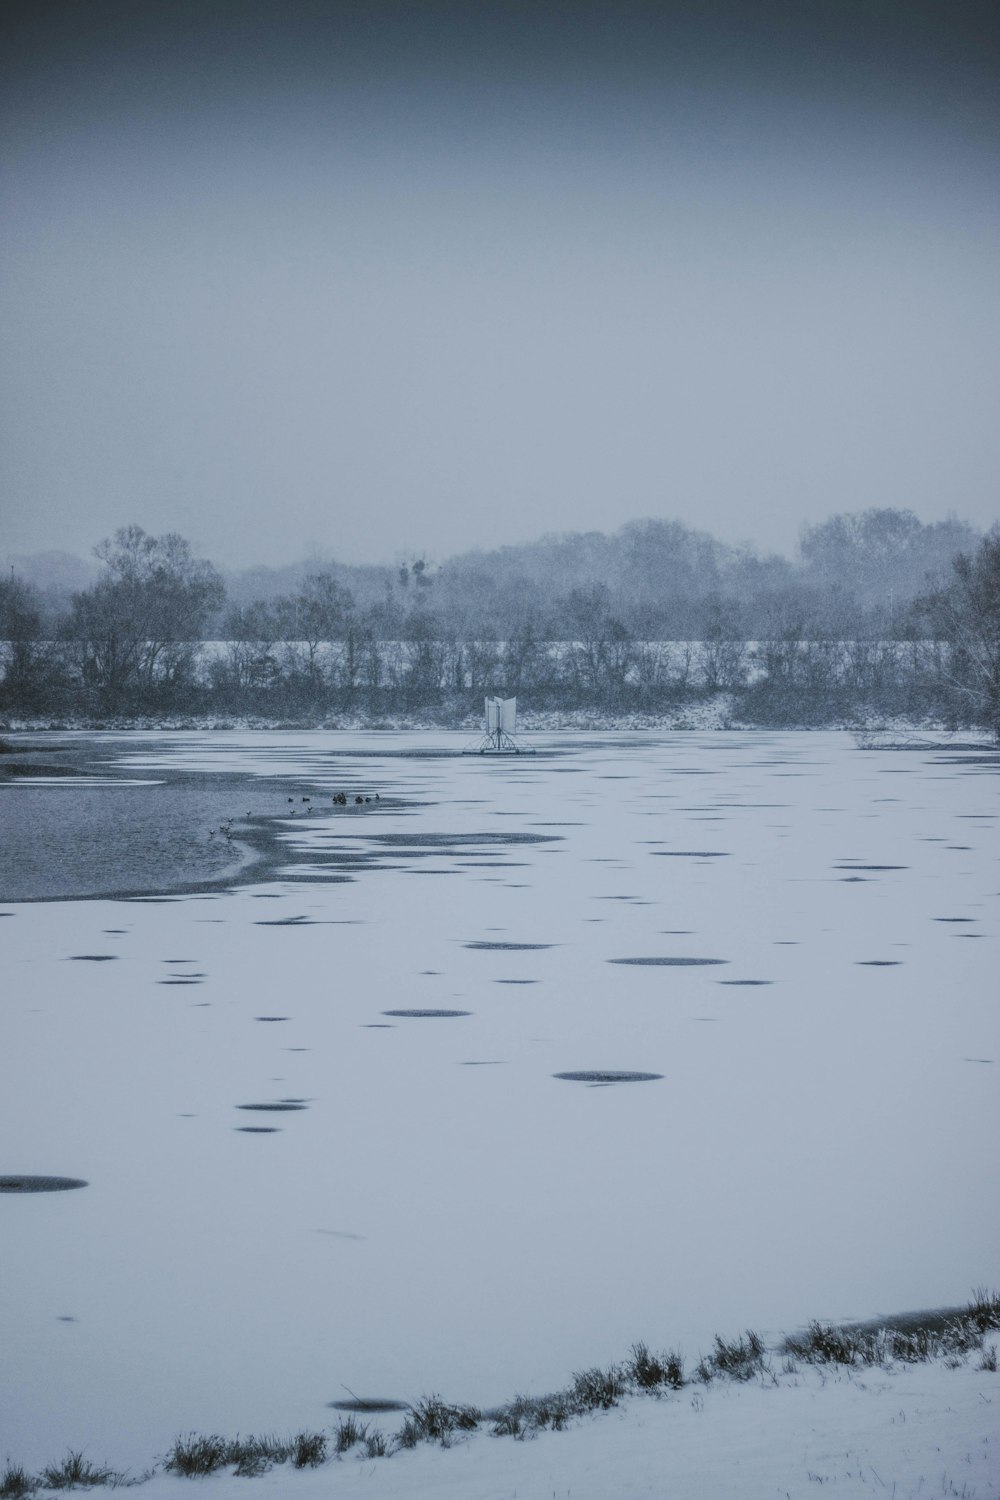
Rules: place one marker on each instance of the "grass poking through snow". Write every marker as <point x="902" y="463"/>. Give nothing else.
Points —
<point x="948" y="1338"/>
<point x="952" y="1337"/>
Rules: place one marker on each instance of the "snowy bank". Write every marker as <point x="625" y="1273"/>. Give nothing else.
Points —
<point x="927" y="1430"/>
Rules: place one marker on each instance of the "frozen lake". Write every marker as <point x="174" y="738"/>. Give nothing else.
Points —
<point x="297" y="1191"/>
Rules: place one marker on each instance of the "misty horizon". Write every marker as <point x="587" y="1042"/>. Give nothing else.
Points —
<point x="379" y="280"/>
<point x="61" y="569"/>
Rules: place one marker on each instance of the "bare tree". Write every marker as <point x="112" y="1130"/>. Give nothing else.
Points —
<point x="26" y="658"/>
<point x="966" y="614"/>
<point x="138" y="629"/>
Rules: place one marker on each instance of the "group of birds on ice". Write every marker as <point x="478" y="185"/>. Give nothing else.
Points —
<point x="339" y="799"/>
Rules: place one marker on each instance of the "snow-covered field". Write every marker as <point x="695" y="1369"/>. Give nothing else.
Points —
<point x="443" y="1213"/>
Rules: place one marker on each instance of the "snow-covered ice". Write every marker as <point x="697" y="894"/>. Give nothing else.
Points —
<point x="444" y="1213"/>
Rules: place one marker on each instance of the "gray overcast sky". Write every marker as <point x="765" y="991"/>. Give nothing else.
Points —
<point x="366" y="278"/>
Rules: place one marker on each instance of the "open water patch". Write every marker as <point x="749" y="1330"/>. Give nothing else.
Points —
<point x="92" y="958"/>
<point x="422" y="1013"/>
<point x="854" y="866"/>
<point x="668" y="963"/>
<point x="369" y="1405"/>
<point x="286" y="922"/>
<point x="276" y="1106"/>
<point x="399" y="843"/>
<point x="596" y="1075"/>
<point x="26" y="1183"/>
<point x="508" y="947"/>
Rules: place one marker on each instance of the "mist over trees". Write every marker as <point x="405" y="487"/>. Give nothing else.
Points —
<point x="879" y="614"/>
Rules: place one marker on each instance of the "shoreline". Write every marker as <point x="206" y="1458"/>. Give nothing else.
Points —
<point x="697" y="717"/>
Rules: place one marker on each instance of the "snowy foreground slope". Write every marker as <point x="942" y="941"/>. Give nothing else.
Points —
<point x="912" y="1431"/>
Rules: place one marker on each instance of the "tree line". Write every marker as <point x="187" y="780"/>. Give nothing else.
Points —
<point x="881" y="615"/>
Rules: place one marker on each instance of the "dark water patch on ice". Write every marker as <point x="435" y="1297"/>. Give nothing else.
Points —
<point x="25" y="1183"/>
<point x="271" y="1018"/>
<point x="92" y="958"/>
<point x="190" y="831"/>
<point x="286" y="922"/>
<point x="515" y="981"/>
<point x="669" y="963"/>
<point x="404" y="843"/>
<point x="977" y="1059"/>
<point x="485" y="1062"/>
<point x="66" y="1318"/>
<point x="508" y="947"/>
<point x="110" y="931"/>
<point x="960" y="848"/>
<point x="745" y="981"/>
<point x="17" y="769"/>
<point x="180" y="980"/>
<point x="970" y="760"/>
<point x="953" y="919"/>
<point x="677" y="932"/>
<point x="378" y="1026"/>
<point x="425" y="1013"/>
<point x="856" y="880"/>
<point x="369" y="1404"/>
<point x="276" y="1106"/>
<point x="257" y="1129"/>
<point x="873" y="868"/>
<point x="878" y="963"/>
<point x="609" y="1076"/>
